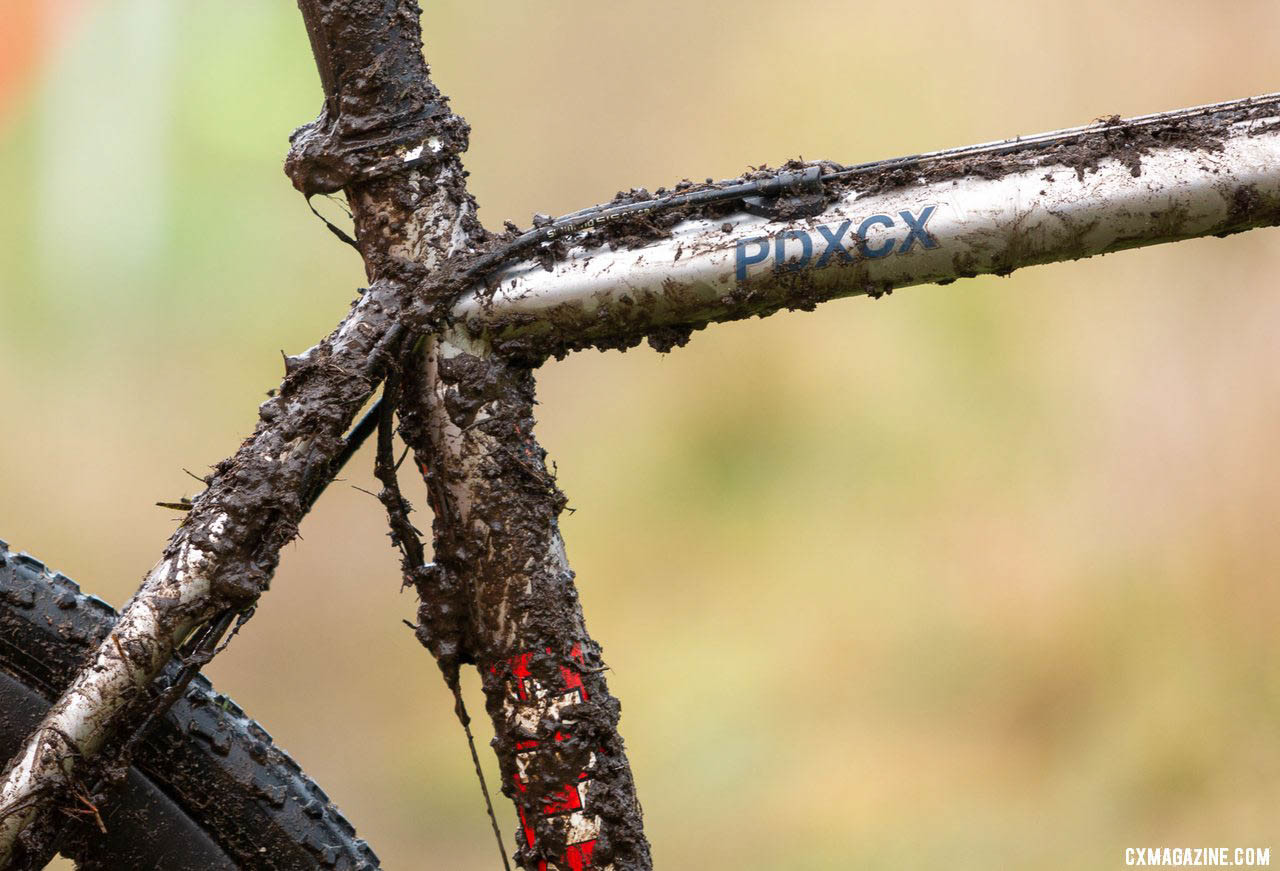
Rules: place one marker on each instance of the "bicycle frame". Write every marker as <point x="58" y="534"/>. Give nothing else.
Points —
<point x="753" y="246"/>
<point x="933" y="218"/>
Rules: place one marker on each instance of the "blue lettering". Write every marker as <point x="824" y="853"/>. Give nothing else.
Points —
<point x="779" y="257"/>
<point x="744" y="260"/>
<point x="833" y="243"/>
<point x="835" y="246"/>
<point x="917" y="230"/>
<point x="882" y="250"/>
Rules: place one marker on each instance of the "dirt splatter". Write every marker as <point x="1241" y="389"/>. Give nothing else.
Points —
<point x="524" y="623"/>
<point x="569" y="326"/>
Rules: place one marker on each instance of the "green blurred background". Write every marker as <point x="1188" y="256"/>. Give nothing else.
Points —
<point x="981" y="576"/>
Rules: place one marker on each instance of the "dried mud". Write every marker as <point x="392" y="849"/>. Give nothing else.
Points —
<point x="569" y="327"/>
<point x="500" y="593"/>
<point x="496" y="590"/>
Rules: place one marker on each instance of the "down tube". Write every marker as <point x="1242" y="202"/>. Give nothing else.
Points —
<point x="871" y="242"/>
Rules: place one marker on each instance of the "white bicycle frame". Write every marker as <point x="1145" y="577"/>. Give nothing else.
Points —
<point x="989" y="208"/>
<point x="925" y="233"/>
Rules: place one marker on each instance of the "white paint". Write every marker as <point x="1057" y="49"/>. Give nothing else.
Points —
<point x="99" y="693"/>
<point x="690" y="276"/>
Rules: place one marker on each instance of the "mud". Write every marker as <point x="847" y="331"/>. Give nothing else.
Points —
<point x="499" y="593"/>
<point x="1083" y="152"/>
<point x="369" y="55"/>
<point x="569" y="327"/>
<point x="379" y="104"/>
<point x="497" y="588"/>
<point x="500" y="562"/>
<point x="216" y="766"/>
<point x="254" y="499"/>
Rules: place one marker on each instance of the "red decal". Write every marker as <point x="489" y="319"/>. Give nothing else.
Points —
<point x="532" y="707"/>
<point x="568" y="800"/>
<point x="529" y="836"/>
<point x="579" y="855"/>
<point x="520" y="671"/>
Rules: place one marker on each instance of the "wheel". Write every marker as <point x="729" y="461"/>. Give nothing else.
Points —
<point x="208" y="790"/>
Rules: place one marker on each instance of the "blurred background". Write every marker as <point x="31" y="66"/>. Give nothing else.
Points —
<point x="969" y="577"/>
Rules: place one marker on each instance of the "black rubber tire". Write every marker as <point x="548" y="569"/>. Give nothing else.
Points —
<point x="208" y="791"/>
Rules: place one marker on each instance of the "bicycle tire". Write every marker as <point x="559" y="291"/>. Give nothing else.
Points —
<point x="208" y="790"/>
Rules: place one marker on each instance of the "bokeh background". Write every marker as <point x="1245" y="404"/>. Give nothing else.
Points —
<point x="980" y="577"/>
